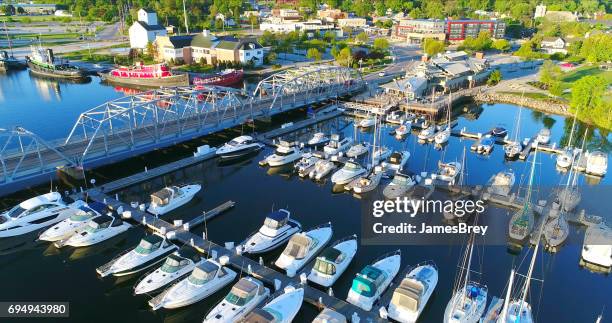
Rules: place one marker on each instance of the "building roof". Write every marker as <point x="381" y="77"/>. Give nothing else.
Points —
<point x="149" y="27"/>
<point x="180" y="41"/>
<point x="552" y="39"/>
<point x="409" y="84"/>
<point x="202" y="41"/>
<point x="148" y="10"/>
<point x="231" y="43"/>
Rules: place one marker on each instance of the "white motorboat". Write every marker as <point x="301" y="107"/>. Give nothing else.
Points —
<point x="486" y="144"/>
<point x="176" y="266"/>
<point x="372" y="281"/>
<point x="318" y="139"/>
<point x="281" y="309"/>
<point x="543" y="136"/>
<point x="302" y="247"/>
<point x="276" y="230"/>
<point x="151" y="250"/>
<point x="238" y="147"/>
<point x="337" y="145"/>
<point x="397" y="160"/>
<point x="306" y="164"/>
<point x="172" y="197"/>
<point x="333" y="261"/>
<point x="321" y="169"/>
<point x="368" y="183"/>
<point x="565" y="159"/>
<point x="98" y="229"/>
<point x="442" y="136"/>
<point x="347" y="173"/>
<point x="395" y="117"/>
<point x="403" y="130"/>
<point x="367" y="122"/>
<point x="427" y="132"/>
<point x="512" y="149"/>
<point x="244" y="296"/>
<point x="329" y="316"/>
<point x="597" y="246"/>
<point x="36" y="213"/>
<point x="411" y="296"/>
<point x="400" y="184"/>
<point x="448" y="172"/>
<point x="76" y="221"/>
<point x="596" y="163"/>
<point x="357" y="150"/>
<point x="284" y="154"/>
<point x="206" y="278"/>
<point x="501" y="183"/>
<point x="380" y="154"/>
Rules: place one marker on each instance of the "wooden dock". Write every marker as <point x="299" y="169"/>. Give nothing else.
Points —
<point x="267" y="137"/>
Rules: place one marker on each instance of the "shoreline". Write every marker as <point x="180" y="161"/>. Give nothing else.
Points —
<point x="535" y="104"/>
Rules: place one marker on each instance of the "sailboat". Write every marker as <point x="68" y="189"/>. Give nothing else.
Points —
<point x="370" y="181"/>
<point x="7" y="59"/>
<point x="453" y="212"/>
<point x="513" y="148"/>
<point x="469" y="298"/>
<point x="442" y="137"/>
<point x="522" y="220"/>
<point x="566" y="158"/>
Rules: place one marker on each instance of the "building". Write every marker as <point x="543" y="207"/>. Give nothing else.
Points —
<point x="174" y="48"/>
<point x="286" y="14"/>
<point x="414" y="31"/>
<point x="243" y="51"/>
<point x="301" y="26"/>
<point x="331" y="15"/>
<point x="146" y="29"/>
<point x="410" y="87"/>
<point x="540" y="11"/>
<point x="352" y="22"/>
<point x="553" y="45"/>
<point x="37" y="8"/>
<point x="458" y="30"/>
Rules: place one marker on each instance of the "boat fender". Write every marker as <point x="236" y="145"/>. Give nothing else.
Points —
<point x="178" y="223"/>
<point x="239" y="250"/>
<point x="229" y="245"/>
<point x="277" y="284"/>
<point x="382" y="312"/>
<point x="224" y="260"/>
<point x="261" y="261"/>
<point x="330" y="292"/>
<point x="303" y="278"/>
<point x="249" y="269"/>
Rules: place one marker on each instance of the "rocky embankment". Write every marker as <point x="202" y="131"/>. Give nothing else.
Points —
<point x="548" y="106"/>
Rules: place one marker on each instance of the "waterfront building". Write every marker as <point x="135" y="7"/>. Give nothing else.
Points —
<point x="146" y="29"/>
<point x="416" y="30"/>
<point x="331" y="15"/>
<point x="352" y="22"/>
<point x="459" y="30"/>
<point x="410" y="87"/>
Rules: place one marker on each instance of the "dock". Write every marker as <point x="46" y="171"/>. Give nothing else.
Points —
<point x="267" y="138"/>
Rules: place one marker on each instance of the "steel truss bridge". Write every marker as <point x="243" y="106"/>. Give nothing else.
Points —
<point x="139" y="123"/>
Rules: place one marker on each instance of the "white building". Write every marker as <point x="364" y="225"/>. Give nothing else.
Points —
<point x="352" y="22"/>
<point x="553" y="45"/>
<point x="540" y="11"/>
<point x="145" y="29"/>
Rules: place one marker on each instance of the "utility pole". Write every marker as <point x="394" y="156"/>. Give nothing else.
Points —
<point x="185" y="14"/>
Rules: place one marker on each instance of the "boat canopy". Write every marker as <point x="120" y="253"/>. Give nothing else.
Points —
<point x="277" y="219"/>
<point x="243" y="291"/>
<point x="367" y="281"/>
<point x="259" y="316"/>
<point x="298" y="246"/>
<point x="101" y="221"/>
<point x="396" y="158"/>
<point x="149" y="243"/>
<point x="329" y="316"/>
<point x="203" y="273"/>
<point x="326" y="262"/>
<point x="163" y="196"/>
<point x="408" y="294"/>
<point x="332" y="255"/>
<point x="97" y="206"/>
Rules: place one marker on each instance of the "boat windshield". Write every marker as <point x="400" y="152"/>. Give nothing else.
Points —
<point x="203" y="273"/>
<point x="273" y="224"/>
<point x="283" y="152"/>
<point x="95" y="226"/>
<point x="15" y="212"/>
<point x="242" y="293"/>
<point x="82" y="215"/>
<point x="297" y="247"/>
<point x="171" y="265"/>
<point x="352" y="166"/>
<point x="324" y="267"/>
<point x="145" y="247"/>
<point x="368" y="280"/>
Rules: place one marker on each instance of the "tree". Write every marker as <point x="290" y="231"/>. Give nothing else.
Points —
<point x="329" y="36"/>
<point x="480" y="43"/>
<point x="597" y="48"/>
<point x="271" y="57"/>
<point x="494" y="78"/>
<point x="432" y="46"/>
<point x="501" y="45"/>
<point x="362" y="37"/>
<point x="381" y="44"/>
<point x="314" y="54"/>
<point x="588" y="99"/>
<point x="344" y="57"/>
<point x="434" y="9"/>
<point x="151" y="49"/>
<point x="8" y="10"/>
<point x="549" y="73"/>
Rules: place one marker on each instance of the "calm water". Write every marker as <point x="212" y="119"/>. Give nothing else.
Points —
<point x="39" y="272"/>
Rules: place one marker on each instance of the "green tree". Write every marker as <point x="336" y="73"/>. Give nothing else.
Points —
<point x="434" y="9"/>
<point x="314" y="54"/>
<point x="494" y="78"/>
<point x="588" y="99"/>
<point x="329" y="36"/>
<point x="597" y="48"/>
<point x="271" y="57"/>
<point x="362" y="37"/>
<point x="501" y="45"/>
<point x="381" y="44"/>
<point x="344" y="57"/>
<point x="549" y="73"/>
<point x="433" y="46"/>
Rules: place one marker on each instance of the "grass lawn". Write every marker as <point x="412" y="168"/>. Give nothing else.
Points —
<point x="74" y="36"/>
<point x="37" y="18"/>
<point x="578" y="73"/>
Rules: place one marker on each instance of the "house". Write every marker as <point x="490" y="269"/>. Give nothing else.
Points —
<point x="227" y="21"/>
<point x="36" y="8"/>
<point x="243" y="51"/>
<point x="410" y="87"/>
<point x="331" y="15"/>
<point x="174" y="48"/>
<point x="202" y="48"/>
<point x="146" y="29"/>
<point x="553" y="45"/>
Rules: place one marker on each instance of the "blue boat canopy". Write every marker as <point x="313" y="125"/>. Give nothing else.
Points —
<point x="367" y="281"/>
<point x="279" y="215"/>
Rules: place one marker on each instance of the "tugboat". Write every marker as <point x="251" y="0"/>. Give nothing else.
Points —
<point x="9" y="62"/>
<point x="43" y="62"/>
<point x="145" y="75"/>
<point x="224" y="78"/>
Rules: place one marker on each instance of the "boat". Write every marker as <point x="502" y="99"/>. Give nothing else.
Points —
<point x="411" y="296"/>
<point x="597" y="246"/>
<point x="596" y="163"/>
<point x="282" y="309"/>
<point x="329" y="316"/>
<point x="512" y="149"/>
<point x="178" y="264"/>
<point x="357" y="150"/>
<point x="501" y="183"/>
<point x="396" y="161"/>
<point x="284" y="154"/>
<point x="306" y="164"/>
<point x="566" y="158"/>
<point x="380" y="154"/>
<point x="499" y="132"/>
<point x="400" y="185"/>
<point x="141" y="75"/>
<point x="395" y="117"/>
<point x="302" y="247"/>
<point x="43" y="62"/>
<point x="172" y="197"/>
<point x="448" y="172"/>
<point x="373" y="280"/>
<point x="98" y="229"/>
<point x="368" y="183"/>
<point x="151" y="250"/>
<point x="347" y="173"/>
<point x="543" y="136"/>
<point x="36" y="213"/>
<point x="278" y="227"/>
<point x="224" y="78"/>
<point x="321" y="169"/>
<point x="469" y="298"/>
<point x="442" y="136"/>
<point x="556" y="231"/>
<point x="238" y="147"/>
<point x="367" y="122"/>
<point x="402" y="130"/>
<point x="333" y="261"/>
<point x="76" y="221"/>
<point x="318" y="139"/>
<point x="206" y="279"/>
<point x="244" y="296"/>
<point x="485" y="146"/>
<point x="337" y="145"/>
<point x="9" y="62"/>
<point x="427" y="132"/>
<point x="522" y="221"/>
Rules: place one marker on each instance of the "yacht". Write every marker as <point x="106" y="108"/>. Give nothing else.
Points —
<point x="321" y="169"/>
<point x="372" y="281"/>
<point x="395" y="117"/>
<point x="367" y="122"/>
<point x="357" y="150"/>
<point x="76" y="221"/>
<point x="543" y="136"/>
<point x="380" y="154"/>
<point x="337" y="145"/>
<point x="486" y="145"/>
<point x="333" y="261"/>
<point x="302" y="247"/>
<point x="347" y="173"/>
<point x="244" y="296"/>
<point x="276" y="230"/>
<point x="151" y="250"/>
<point x="282" y="309"/>
<point x="400" y="184"/>
<point x="556" y="231"/>
<point x="36" y="213"/>
<point x="172" y="197"/>
<point x="427" y="133"/>
<point x="499" y="132"/>
<point x="513" y="149"/>
<point x="206" y="278"/>
<point x="176" y="266"/>
<point x="403" y="130"/>
<point x="596" y="163"/>
<point x="597" y="247"/>
<point x="239" y="147"/>
<point x="501" y="183"/>
<point x="448" y="172"/>
<point x="565" y="159"/>
<point x="442" y="136"/>
<point x="368" y="183"/>
<point x="318" y="139"/>
<point x="396" y="161"/>
<point x="284" y="154"/>
<point x="411" y="296"/>
<point x="98" y="229"/>
<point x="329" y="316"/>
<point x="306" y="164"/>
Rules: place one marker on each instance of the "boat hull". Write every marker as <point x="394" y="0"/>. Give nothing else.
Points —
<point x="154" y="82"/>
<point x="39" y="70"/>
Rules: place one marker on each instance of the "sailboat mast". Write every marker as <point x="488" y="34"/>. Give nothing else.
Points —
<point x="8" y="39"/>
<point x="374" y="140"/>
<point x="569" y="143"/>
<point x="528" y="197"/>
<point x="530" y="271"/>
<point x="518" y="120"/>
<point x="504" y="312"/>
